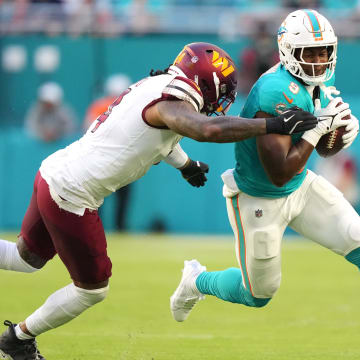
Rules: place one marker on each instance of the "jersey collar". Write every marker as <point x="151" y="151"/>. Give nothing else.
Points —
<point x="174" y="70"/>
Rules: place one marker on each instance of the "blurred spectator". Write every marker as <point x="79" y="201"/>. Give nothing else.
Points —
<point x="47" y="16"/>
<point x="142" y="20"/>
<point x="254" y="60"/>
<point x="114" y="86"/>
<point x="79" y="14"/>
<point x="302" y="4"/>
<point x="104" y="16"/>
<point x="341" y="171"/>
<point x="20" y="8"/>
<point x="204" y="2"/>
<point x="49" y="119"/>
<point x="46" y="1"/>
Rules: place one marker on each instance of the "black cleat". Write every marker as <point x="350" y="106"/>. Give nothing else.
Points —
<point x="12" y="348"/>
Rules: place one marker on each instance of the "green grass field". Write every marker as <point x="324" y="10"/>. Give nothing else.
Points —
<point x="314" y="315"/>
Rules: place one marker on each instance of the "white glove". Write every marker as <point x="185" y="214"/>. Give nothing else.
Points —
<point x="330" y="118"/>
<point x="329" y="91"/>
<point x="352" y="129"/>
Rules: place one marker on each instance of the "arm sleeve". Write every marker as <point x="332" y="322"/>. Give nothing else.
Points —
<point x="177" y="158"/>
<point x="185" y="89"/>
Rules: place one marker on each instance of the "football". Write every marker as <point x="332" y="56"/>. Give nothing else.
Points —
<point x="331" y="143"/>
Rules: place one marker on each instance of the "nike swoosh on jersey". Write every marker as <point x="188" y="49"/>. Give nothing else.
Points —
<point x="288" y="99"/>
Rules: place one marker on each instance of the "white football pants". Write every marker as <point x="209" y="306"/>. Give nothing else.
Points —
<point x="317" y="211"/>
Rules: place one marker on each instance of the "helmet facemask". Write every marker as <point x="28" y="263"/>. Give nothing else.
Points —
<point x="294" y="64"/>
<point x="224" y="98"/>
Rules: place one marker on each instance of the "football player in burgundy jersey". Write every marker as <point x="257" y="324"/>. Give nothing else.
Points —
<point x="142" y="127"/>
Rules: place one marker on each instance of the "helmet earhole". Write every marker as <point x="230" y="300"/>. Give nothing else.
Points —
<point x="205" y="84"/>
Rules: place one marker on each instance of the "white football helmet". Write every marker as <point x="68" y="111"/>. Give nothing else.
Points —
<point x="303" y="29"/>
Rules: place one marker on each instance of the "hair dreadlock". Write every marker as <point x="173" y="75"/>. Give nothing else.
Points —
<point x="159" y="72"/>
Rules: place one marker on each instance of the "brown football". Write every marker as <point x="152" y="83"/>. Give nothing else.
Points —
<point x="331" y="143"/>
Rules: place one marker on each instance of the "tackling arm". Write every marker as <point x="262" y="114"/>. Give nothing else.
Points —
<point x="181" y="117"/>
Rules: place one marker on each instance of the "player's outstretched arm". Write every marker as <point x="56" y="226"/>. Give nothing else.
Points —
<point x="181" y="117"/>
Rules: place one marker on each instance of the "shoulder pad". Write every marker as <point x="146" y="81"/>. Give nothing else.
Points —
<point x="276" y="96"/>
<point x="187" y="90"/>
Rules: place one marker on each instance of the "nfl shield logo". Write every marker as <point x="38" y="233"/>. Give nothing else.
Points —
<point x="258" y="213"/>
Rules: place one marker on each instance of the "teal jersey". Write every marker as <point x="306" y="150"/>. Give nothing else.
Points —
<point x="275" y="91"/>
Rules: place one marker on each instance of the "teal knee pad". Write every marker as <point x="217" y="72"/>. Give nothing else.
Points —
<point x="354" y="257"/>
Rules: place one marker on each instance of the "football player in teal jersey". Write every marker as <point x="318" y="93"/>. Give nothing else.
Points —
<point x="270" y="188"/>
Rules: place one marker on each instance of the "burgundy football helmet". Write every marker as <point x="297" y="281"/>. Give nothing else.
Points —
<point x="213" y="70"/>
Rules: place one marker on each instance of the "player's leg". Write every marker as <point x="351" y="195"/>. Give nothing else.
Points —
<point x="34" y="246"/>
<point x="80" y="243"/>
<point x="330" y="220"/>
<point x="32" y="250"/>
<point x="17" y="257"/>
<point x="258" y="228"/>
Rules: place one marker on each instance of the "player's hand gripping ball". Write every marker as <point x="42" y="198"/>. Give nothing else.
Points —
<point x="331" y="143"/>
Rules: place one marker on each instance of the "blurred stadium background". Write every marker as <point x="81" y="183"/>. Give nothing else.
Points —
<point x="79" y="43"/>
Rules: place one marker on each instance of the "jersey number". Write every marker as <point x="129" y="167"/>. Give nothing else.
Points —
<point x="106" y="114"/>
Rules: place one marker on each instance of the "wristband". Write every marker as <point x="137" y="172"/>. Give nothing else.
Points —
<point x="188" y="171"/>
<point x="274" y="125"/>
<point x="311" y="136"/>
<point x="177" y="158"/>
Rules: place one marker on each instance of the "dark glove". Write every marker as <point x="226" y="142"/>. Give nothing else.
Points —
<point x="291" y="121"/>
<point x="194" y="173"/>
